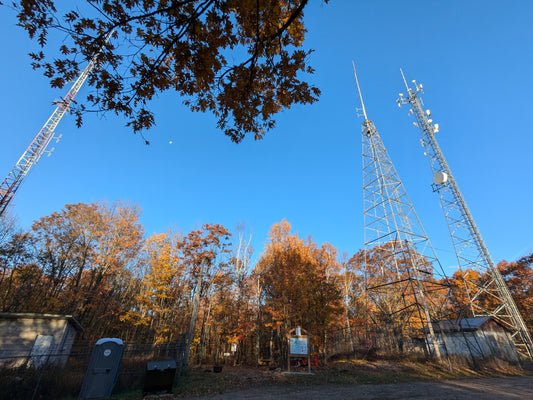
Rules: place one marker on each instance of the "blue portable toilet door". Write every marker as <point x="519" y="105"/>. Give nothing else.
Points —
<point x="103" y="369"/>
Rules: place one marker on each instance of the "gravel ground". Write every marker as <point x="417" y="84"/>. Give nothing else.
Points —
<point x="515" y="388"/>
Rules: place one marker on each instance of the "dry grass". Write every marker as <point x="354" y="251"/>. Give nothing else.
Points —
<point x="199" y="382"/>
<point x="19" y="383"/>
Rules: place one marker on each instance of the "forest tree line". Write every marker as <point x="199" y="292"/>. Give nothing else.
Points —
<point x="94" y="262"/>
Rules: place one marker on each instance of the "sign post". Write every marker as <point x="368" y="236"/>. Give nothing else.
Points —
<point x="298" y="347"/>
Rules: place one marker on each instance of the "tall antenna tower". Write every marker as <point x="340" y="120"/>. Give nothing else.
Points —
<point x="400" y="263"/>
<point x="40" y="142"/>
<point x="491" y="297"/>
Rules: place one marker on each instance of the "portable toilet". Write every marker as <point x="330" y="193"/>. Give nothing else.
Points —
<point x="103" y="368"/>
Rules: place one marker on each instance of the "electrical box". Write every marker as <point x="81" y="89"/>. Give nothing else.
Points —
<point x="159" y="376"/>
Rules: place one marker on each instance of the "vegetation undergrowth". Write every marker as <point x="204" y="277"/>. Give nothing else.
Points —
<point x="204" y="382"/>
<point x="18" y="383"/>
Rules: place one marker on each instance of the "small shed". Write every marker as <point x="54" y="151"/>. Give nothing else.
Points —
<point x="38" y="338"/>
<point x="477" y="337"/>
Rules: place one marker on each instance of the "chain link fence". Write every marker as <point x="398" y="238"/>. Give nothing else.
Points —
<point x="372" y="341"/>
<point x="24" y="378"/>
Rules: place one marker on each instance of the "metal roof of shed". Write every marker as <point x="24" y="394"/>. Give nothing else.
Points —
<point x="69" y="318"/>
<point x="463" y="324"/>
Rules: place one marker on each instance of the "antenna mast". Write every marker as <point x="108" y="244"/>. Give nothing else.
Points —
<point x="40" y="142"/>
<point x="492" y="297"/>
<point x="398" y="253"/>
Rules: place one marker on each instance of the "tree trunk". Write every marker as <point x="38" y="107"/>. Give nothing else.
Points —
<point x="271" y="353"/>
<point x="204" y="329"/>
<point x="257" y="333"/>
<point x="350" y="336"/>
<point x="194" y="314"/>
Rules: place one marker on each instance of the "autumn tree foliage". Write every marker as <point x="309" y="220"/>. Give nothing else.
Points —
<point x="238" y="293"/>
<point x="158" y="314"/>
<point x="201" y="250"/>
<point x="75" y="261"/>
<point x="241" y="60"/>
<point x="388" y="283"/>
<point x="298" y="284"/>
<point x="88" y="247"/>
<point x="465" y="281"/>
<point x="393" y="293"/>
<point x="519" y="278"/>
<point x="182" y="272"/>
<point x="93" y="261"/>
<point x="8" y="226"/>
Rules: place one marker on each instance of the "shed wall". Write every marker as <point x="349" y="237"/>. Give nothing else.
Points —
<point x="480" y="344"/>
<point x="17" y="337"/>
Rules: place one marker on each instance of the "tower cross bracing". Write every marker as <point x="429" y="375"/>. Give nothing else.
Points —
<point x="492" y="296"/>
<point x="40" y="142"/>
<point x="398" y="253"/>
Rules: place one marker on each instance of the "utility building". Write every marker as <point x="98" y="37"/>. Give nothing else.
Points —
<point x="478" y="337"/>
<point x="36" y="338"/>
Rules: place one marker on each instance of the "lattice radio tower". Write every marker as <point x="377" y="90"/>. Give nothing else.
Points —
<point x="491" y="297"/>
<point x="405" y="290"/>
<point x="40" y="142"/>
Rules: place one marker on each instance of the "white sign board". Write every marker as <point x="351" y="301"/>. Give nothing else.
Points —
<point x="298" y="346"/>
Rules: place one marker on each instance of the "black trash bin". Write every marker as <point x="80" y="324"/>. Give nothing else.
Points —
<point x="159" y="376"/>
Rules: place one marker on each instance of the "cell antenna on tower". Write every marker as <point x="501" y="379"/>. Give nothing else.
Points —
<point x="400" y="265"/>
<point x="490" y="296"/>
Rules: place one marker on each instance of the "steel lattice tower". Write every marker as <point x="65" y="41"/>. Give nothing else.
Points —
<point x="398" y="253"/>
<point x="40" y="142"/>
<point x="492" y="297"/>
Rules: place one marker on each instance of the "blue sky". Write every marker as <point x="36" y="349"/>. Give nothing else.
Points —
<point x="474" y="59"/>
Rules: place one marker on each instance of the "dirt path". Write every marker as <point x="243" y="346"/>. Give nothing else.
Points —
<point x="515" y="388"/>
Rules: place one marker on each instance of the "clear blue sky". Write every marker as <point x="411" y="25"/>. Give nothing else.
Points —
<point x="474" y="59"/>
